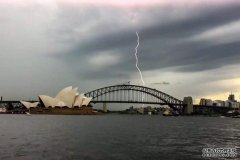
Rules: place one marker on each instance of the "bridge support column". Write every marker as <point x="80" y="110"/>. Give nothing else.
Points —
<point x="105" y="107"/>
<point x="188" y="105"/>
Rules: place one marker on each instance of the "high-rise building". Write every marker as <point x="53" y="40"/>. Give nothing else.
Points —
<point x="231" y="97"/>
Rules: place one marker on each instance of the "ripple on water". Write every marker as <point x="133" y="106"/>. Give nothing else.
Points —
<point x="113" y="137"/>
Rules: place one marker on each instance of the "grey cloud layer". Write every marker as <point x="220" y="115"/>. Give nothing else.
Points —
<point x="163" y="37"/>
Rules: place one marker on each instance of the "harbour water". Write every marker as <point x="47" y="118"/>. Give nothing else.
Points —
<point x="120" y="137"/>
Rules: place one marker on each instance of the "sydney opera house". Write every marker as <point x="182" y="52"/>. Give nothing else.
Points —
<point x="67" y="101"/>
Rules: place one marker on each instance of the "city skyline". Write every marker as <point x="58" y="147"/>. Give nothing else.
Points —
<point x="185" y="48"/>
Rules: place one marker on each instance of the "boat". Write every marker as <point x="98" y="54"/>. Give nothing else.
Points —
<point x="170" y="113"/>
<point x="231" y="113"/>
<point x="28" y="114"/>
<point x="237" y="116"/>
<point x="167" y="113"/>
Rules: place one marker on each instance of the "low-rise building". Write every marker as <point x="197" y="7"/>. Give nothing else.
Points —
<point x="219" y="103"/>
<point x="232" y="104"/>
<point x="3" y="110"/>
<point x="206" y="102"/>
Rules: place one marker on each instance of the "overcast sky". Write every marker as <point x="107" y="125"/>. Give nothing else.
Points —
<point x="185" y="48"/>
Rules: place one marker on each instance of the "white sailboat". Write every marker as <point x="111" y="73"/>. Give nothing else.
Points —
<point x="28" y="114"/>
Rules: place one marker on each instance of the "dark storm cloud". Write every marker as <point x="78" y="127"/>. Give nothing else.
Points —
<point x="162" y="42"/>
<point x="161" y="83"/>
<point x="209" y="17"/>
<point x="213" y="57"/>
<point x="196" y="57"/>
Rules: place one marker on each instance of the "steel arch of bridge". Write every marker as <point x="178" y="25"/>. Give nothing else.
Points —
<point x="133" y="94"/>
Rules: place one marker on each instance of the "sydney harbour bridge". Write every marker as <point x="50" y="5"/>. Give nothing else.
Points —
<point x="133" y="94"/>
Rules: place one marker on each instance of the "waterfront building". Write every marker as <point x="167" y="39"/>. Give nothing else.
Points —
<point x="132" y="110"/>
<point x="219" y="103"/>
<point x="148" y="109"/>
<point x="231" y="97"/>
<point x="67" y="97"/>
<point x="232" y="104"/>
<point x="3" y="110"/>
<point x="68" y="102"/>
<point x="140" y="110"/>
<point x="206" y="102"/>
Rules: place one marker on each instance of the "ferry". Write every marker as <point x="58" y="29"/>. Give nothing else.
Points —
<point x="170" y="113"/>
<point x="238" y="116"/>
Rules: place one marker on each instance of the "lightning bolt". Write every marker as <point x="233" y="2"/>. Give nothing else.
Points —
<point x="140" y="72"/>
<point x="136" y="55"/>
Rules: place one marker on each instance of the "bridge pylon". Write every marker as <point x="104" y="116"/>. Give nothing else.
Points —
<point x="187" y="105"/>
<point x="105" y="107"/>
